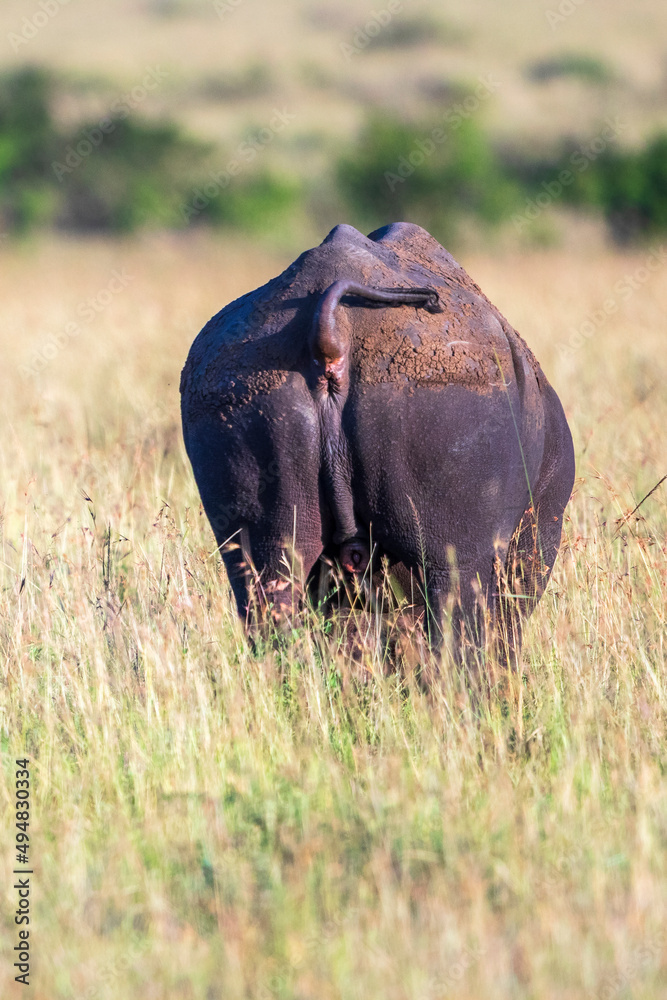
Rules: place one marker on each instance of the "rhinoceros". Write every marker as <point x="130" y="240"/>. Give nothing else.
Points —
<point x="371" y="397"/>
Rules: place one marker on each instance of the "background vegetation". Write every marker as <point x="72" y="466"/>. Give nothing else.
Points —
<point x="136" y="173"/>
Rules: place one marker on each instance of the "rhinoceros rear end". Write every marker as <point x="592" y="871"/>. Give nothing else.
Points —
<point x="372" y="392"/>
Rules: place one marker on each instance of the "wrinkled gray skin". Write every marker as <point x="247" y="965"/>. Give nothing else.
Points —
<point x="322" y="411"/>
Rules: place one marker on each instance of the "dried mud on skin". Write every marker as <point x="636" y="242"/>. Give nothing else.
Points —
<point x="428" y="354"/>
<point x="258" y="342"/>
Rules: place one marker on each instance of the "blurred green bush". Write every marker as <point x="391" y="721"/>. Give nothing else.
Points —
<point x="114" y="174"/>
<point x="259" y="205"/>
<point x="420" y="29"/>
<point x="580" y="65"/>
<point x="137" y="174"/>
<point x="630" y="188"/>
<point x="28" y="141"/>
<point x="121" y="173"/>
<point x="437" y="175"/>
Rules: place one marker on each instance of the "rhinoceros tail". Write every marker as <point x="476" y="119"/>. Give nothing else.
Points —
<point x="329" y="340"/>
<point x="329" y="344"/>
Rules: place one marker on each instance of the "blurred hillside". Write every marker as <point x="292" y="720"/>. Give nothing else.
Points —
<point x="283" y="119"/>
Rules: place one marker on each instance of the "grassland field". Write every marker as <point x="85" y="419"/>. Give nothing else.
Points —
<point x="208" y="822"/>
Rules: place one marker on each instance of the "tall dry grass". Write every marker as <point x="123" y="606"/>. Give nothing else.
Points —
<point x="212" y="823"/>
